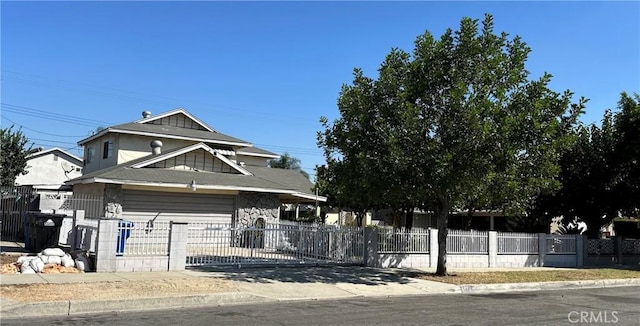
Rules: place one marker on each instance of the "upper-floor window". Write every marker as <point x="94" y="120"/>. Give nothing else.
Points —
<point x="91" y="154"/>
<point x="107" y="149"/>
<point x="55" y="157"/>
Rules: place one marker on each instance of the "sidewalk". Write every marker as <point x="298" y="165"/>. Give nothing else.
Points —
<point x="213" y="287"/>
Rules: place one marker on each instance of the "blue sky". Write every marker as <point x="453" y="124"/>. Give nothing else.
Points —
<point x="266" y="71"/>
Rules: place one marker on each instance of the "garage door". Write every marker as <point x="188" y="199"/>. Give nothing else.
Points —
<point x="183" y="207"/>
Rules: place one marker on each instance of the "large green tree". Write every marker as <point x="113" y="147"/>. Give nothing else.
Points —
<point x="600" y="172"/>
<point x="456" y="124"/>
<point x="286" y="161"/>
<point x="13" y="158"/>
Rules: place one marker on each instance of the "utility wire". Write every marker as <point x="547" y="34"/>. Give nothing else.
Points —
<point x="84" y="121"/>
<point x="41" y="132"/>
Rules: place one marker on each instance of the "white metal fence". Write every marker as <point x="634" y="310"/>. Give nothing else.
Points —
<point x="415" y="240"/>
<point x="226" y="244"/>
<point x="142" y="239"/>
<point x="561" y="244"/>
<point x="517" y="243"/>
<point x="86" y="235"/>
<point x="91" y="205"/>
<point x="467" y="242"/>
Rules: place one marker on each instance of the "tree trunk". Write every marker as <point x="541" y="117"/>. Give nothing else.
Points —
<point x="408" y="219"/>
<point x="359" y="218"/>
<point x="442" y="214"/>
<point x="468" y="219"/>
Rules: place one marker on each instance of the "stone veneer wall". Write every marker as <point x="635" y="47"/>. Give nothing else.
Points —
<point x="253" y="205"/>
<point x="113" y="200"/>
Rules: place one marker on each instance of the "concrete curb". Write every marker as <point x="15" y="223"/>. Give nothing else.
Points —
<point x="543" y="286"/>
<point x="78" y="307"/>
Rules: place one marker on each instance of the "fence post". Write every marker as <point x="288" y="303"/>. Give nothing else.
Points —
<point x="542" y="248"/>
<point x="618" y="249"/>
<point x="371" y="257"/>
<point x="77" y="216"/>
<point x="580" y="250"/>
<point x="433" y="247"/>
<point x="106" y="245"/>
<point x="493" y="249"/>
<point x="178" y="235"/>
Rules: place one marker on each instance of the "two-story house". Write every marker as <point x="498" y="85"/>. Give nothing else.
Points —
<point x="173" y="166"/>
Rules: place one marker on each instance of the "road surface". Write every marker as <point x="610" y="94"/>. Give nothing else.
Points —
<point x="617" y="306"/>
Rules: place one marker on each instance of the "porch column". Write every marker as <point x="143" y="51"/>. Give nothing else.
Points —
<point x="491" y="224"/>
<point x="297" y="211"/>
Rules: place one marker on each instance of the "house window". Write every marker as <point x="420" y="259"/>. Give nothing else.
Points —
<point x="91" y="153"/>
<point x="107" y="150"/>
<point x="55" y="157"/>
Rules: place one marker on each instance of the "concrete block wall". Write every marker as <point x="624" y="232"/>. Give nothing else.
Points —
<point x="142" y="264"/>
<point x="509" y="261"/>
<point x="467" y="261"/>
<point x="559" y="260"/>
<point x="404" y="260"/>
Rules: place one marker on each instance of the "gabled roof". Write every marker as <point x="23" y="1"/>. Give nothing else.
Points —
<point x="254" y="151"/>
<point x="76" y="160"/>
<point x="143" y="127"/>
<point x="184" y="150"/>
<point x="291" y="179"/>
<point x="174" y="112"/>
<point x="260" y="179"/>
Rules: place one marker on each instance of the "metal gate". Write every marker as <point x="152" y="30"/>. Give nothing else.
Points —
<point x="211" y="244"/>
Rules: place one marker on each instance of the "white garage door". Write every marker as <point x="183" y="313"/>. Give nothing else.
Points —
<point x="179" y="207"/>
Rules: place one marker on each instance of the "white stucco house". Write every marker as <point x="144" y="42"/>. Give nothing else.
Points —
<point x="50" y="169"/>
<point x="174" y="166"/>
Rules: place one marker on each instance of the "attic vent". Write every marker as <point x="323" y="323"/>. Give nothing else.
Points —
<point x="156" y="147"/>
<point x="146" y="114"/>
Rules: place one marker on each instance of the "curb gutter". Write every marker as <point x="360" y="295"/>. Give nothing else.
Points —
<point x="543" y="286"/>
<point x="76" y="307"/>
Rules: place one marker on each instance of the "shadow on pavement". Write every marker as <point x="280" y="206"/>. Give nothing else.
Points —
<point x="308" y="274"/>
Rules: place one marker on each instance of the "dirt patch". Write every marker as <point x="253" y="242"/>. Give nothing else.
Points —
<point x="8" y="259"/>
<point x="114" y="290"/>
<point x="460" y="278"/>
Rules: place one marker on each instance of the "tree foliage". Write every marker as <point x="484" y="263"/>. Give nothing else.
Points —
<point x="13" y="158"/>
<point x="600" y="172"/>
<point x="453" y="125"/>
<point x="286" y="161"/>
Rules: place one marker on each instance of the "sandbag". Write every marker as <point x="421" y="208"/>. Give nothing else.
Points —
<point x="25" y="259"/>
<point x="36" y="264"/>
<point x="53" y="252"/>
<point x="55" y="260"/>
<point x="26" y="269"/>
<point x="82" y="264"/>
<point x="67" y="261"/>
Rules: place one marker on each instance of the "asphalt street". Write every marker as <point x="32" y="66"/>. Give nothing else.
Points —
<point x="619" y="306"/>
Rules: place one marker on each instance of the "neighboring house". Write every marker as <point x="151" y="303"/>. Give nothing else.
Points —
<point x="173" y="166"/>
<point x="50" y="169"/>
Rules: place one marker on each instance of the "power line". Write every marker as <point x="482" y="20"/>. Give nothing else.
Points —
<point x="86" y="122"/>
<point x="156" y="98"/>
<point x="51" y="115"/>
<point x="41" y="132"/>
